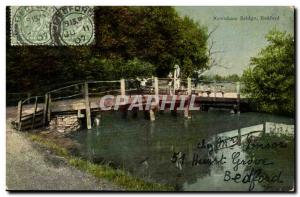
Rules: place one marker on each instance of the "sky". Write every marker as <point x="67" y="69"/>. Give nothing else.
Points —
<point x="237" y="40"/>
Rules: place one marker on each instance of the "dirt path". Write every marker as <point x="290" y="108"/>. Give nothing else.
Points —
<point x="31" y="168"/>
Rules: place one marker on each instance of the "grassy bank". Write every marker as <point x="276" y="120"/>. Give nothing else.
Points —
<point x="117" y="176"/>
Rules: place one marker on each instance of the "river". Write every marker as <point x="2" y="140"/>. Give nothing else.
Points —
<point x="190" y="154"/>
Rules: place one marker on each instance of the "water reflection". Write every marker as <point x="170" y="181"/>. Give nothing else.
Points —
<point x="164" y="150"/>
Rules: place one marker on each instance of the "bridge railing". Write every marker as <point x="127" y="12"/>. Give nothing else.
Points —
<point x="30" y="111"/>
<point x="217" y="88"/>
<point x="32" y="100"/>
<point x="164" y="85"/>
<point x="68" y="92"/>
<point x="132" y="86"/>
<point x="101" y="88"/>
<point x="77" y="91"/>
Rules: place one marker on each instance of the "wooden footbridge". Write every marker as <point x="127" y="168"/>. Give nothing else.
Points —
<point x="83" y="98"/>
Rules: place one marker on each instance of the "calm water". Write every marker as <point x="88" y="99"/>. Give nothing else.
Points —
<point x="163" y="151"/>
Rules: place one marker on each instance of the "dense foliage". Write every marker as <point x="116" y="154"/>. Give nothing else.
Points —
<point x="130" y="42"/>
<point x="271" y="82"/>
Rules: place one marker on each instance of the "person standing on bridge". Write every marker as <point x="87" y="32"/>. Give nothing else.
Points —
<point x="176" y="77"/>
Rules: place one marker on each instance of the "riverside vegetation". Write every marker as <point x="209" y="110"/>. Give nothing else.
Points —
<point x="117" y="176"/>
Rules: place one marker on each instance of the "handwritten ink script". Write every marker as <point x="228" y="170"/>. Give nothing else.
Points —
<point x="237" y="157"/>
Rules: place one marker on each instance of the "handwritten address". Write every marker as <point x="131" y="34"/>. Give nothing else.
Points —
<point x="246" y="170"/>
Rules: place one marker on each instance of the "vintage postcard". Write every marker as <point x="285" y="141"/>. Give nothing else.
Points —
<point x="150" y="98"/>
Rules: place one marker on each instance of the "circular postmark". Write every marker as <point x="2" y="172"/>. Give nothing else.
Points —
<point x="73" y="25"/>
<point x="31" y="24"/>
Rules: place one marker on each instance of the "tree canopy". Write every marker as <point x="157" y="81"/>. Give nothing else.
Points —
<point x="130" y="42"/>
<point x="271" y="82"/>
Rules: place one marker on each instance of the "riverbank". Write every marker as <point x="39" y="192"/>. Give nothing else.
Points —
<point x="42" y="161"/>
<point x="31" y="167"/>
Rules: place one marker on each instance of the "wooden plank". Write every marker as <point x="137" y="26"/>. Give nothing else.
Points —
<point x="87" y="106"/>
<point x="19" y="115"/>
<point x="34" y="112"/>
<point x="28" y="121"/>
<point x="30" y="115"/>
<point x="39" y="112"/>
<point x="37" y="115"/>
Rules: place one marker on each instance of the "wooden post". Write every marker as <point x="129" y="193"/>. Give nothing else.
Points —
<point x="239" y="136"/>
<point x="87" y="106"/>
<point x="45" y="121"/>
<point x="156" y="90"/>
<point x="151" y="115"/>
<point x="79" y="114"/>
<point x="239" y="130"/>
<point x="174" y="82"/>
<point x="215" y="90"/>
<point x="122" y="86"/>
<point x="19" y="115"/>
<point x="187" y="103"/>
<point x="34" y="112"/>
<point x="264" y="128"/>
<point x="189" y="86"/>
<point x="49" y="108"/>
<point x="238" y="89"/>
<point x="238" y="95"/>
<point x="186" y="112"/>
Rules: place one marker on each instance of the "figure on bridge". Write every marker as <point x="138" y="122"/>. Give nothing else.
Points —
<point x="174" y="82"/>
<point x="176" y="77"/>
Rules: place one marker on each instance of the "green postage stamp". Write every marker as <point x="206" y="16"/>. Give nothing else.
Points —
<point x="50" y="25"/>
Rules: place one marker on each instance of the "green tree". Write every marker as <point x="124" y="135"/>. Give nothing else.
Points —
<point x="232" y="78"/>
<point x="192" y="47"/>
<point x="129" y="42"/>
<point x="153" y="34"/>
<point x="271" y="82"/>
